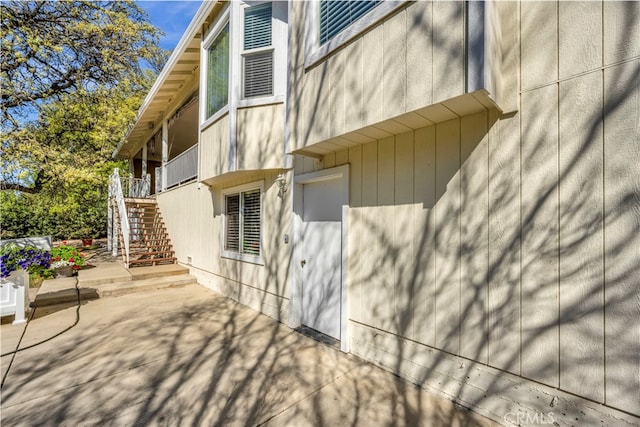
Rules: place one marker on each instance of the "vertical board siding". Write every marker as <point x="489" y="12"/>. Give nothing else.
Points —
<point x="404" y="265"/>
<point x="540" y="235"/>
<point x="622" y="235"/>
<point x="513" y="241"/>
<point x="580" y="238"/>
<point x="394" y="82"/>
<point x="581" y="50"/>
<point x="474" y="255"/>
<point x="214" y="150"/>
<point x="404" y="63"/>
<point x="621" y="31"/>
<point x="448" y="47"/>
<point x="260" y="133"/>
<point x="369" y="242"/>
<point x="419" y="56"/>
<point x="447" y="227"/>
<point x="539" y="27"/>
<point x="372" y="71"/>
<point x="383" y="232"/>
<point x="424" y="187"/>
<point x="504" y="312"/>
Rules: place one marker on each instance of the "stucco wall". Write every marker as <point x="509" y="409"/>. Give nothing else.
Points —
<point x="512" y="242"/>
<point x="192" y="214"/>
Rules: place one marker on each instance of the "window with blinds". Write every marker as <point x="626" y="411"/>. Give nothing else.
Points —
<point x="243" y="222"/>
<point x="336" y="15"/>
<point x="217" y="95"/>
<point x="258" y="51"/>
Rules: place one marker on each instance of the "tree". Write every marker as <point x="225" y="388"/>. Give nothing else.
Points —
<point x="73" y="74"/>
<point x="54" y="48"/>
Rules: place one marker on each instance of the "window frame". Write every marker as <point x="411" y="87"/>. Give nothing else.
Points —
<point x="208" y="40"/>
<point x="239" y="256"/>
<point x="244" y="53"/>
<point x="315" y="52"/>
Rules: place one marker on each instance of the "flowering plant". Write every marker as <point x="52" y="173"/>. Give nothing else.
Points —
<point x="28" y="258"/>
<point x="69" y="255"/>
<point x="60" y="264"/>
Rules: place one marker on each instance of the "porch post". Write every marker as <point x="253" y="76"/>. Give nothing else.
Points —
<point x="144" y="161"/>
<point x="165" y="152"/>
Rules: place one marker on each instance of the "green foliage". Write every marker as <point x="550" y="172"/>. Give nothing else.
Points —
<point x="68" y="255"/>
<point x="53" y="48"/>
<point x="72" y="81"/>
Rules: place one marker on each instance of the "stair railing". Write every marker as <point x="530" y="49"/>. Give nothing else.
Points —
<point x="116" y="198"/>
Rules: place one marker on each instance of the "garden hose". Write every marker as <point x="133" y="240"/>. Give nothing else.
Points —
<point x="13" y="353"/>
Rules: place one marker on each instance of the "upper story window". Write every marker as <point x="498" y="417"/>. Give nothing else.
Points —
<point x="331" y="24"/>
<point x="336" y="15"/>
<point x="257" y="53"/>
<point x="217" y="90"/>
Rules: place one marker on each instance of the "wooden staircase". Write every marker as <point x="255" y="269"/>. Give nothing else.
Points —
<point x="149" y="243"/>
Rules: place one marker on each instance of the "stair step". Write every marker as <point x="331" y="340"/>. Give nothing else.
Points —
<point x="141" y="253"/>
<point x="152" y="262"/>
<point x="149" y="284"/>
<point x="62" y="291"/>
<point x="158" y="271"/>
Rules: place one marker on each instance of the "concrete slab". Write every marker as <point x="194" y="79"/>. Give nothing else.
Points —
<point x="154" y="283"/>
<point x="9" y="338"/>
<point x="139" y="273"/>
<point x="106" y="272"/>
<point x="63" y="290"/>
<point x="110" y="279"/>
<point x="186" y="356"/>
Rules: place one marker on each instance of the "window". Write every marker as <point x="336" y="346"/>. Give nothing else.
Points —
<point x="258" y="52"/>
<point x="243" y="221"/>
<point x="336" y="15"/>
<point x="331" y="24"/>
<point x="218" y="72"/>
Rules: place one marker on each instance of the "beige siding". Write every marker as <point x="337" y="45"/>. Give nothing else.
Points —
<point x="622" y="234"/>
<point x="192" y="214"/>
<point x="260" y="137"/>
<point x="511" y="241"/>
<point x="398" y="66"/>
<point x="215" y="156"/>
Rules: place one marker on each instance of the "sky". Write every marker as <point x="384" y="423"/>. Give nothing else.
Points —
<point x="172" y="17"/>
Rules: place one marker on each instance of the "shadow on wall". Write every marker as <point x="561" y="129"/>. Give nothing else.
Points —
<point x="516" y="246"/>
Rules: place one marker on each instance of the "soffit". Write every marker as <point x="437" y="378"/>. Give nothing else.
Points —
<point x="181" y="71"/>
<point x="436" y="113"/>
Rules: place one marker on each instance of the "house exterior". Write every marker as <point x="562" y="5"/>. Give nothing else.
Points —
<point x="448" y="189"/>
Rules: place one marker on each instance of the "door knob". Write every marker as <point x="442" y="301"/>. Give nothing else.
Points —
<point x="303" y="262"/>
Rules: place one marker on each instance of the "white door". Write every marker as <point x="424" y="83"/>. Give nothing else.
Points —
<point x="321" y="260"/>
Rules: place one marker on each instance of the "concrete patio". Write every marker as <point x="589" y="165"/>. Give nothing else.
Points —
<point x="186" y="356"/>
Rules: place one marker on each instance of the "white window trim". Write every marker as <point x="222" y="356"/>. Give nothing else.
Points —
<point x="204" y="65"/>
<point x="253" y="259"/>
<point x="279" y="43"/>
<point x="246" y="52"/>
<point x="314" y="53"/>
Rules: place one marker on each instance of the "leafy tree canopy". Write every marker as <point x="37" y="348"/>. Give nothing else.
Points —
<point x="50" y="48"/>
<point x="73" y="74"/>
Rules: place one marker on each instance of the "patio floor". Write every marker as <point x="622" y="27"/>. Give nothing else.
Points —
<point x="186" y="356"/>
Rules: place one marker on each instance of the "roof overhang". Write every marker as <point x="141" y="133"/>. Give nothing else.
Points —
<point x="181" y="69"/>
